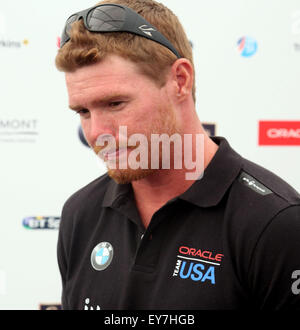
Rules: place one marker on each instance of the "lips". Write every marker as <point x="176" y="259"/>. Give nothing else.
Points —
<point x="110" y="154"/>
<point x="114" y="153"/>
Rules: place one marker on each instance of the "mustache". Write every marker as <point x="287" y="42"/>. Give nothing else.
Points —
<point x="106" y="144"/>
<point x="102" y="151"/>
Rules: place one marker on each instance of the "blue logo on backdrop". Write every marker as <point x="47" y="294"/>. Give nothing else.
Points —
<point x="247" y="46"/>
<point x="81" y="137"/>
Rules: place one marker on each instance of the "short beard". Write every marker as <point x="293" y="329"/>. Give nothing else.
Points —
<point x="165" y="124"/>
<point x="129" y="175"/>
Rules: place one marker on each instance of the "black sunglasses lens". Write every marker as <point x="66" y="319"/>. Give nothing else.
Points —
<point x="66" y="32"/>
<point x="106" y="18"/>
<point x="69" y="23"/>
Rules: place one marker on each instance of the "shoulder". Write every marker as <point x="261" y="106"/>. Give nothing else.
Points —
<point x="263" y="218"/>
<point x="258" y="194"/>
<point x="265" y="182"/>
<point x="257" y="201"/>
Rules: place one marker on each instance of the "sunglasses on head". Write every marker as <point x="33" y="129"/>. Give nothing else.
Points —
<point x="115" y="18"/>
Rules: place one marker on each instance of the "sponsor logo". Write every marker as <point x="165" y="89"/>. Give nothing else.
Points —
<point x="247" y="46"/>
<point x="18" y="130"/>
<point x="253" y="184"/>
<point x="196" y="264"/>
<point x="147" y="30"/>
<point x="279" y="133"/>
<point x="7" y="43"/>
<point x="102" y="256"/>
<point x="41" y="222"/>
<point x="88" y="307"/>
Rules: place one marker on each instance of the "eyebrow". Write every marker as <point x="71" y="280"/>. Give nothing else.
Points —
<point x="102" y="100"/>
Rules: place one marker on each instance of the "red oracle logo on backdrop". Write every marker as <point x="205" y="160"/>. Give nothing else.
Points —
<point x="279" y="133"/>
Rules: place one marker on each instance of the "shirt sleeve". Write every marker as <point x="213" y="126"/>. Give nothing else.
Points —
<point x="275" y="263"/>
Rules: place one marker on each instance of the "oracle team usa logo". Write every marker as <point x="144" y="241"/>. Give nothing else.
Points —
<point x="102" y="255"/>
<point x="197" y="265"/>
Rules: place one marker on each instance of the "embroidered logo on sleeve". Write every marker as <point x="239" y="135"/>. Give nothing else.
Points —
<point x="253" y="184"/>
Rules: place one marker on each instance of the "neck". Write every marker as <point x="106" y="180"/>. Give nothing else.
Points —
<point x="153" y="191"/>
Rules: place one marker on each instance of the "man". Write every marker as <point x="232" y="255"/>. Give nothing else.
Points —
<point x="152" y="237"/>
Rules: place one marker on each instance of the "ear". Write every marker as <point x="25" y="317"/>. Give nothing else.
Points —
<point x="183" y="78"/>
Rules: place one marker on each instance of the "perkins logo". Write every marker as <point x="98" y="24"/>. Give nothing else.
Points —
<point x="7" y="43"/>
<point x="279" y="133"/>
<point x="41" y="222"/>
<point x="196" y="264"/>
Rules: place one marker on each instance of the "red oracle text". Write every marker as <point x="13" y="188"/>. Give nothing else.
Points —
<point x="199" y="253"/>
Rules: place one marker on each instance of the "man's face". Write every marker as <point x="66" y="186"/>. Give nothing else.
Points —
<point x="113" y="94"/>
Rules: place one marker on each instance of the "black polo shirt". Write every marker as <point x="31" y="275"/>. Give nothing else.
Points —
<point x="231" y="241"/>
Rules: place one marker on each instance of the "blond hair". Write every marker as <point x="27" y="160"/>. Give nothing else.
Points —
<point x="153" y="59"/>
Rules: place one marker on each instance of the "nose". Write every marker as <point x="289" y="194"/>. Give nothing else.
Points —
<point x="98" y="127"/>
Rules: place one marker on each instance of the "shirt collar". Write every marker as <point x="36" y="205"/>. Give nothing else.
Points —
<point x="115" y="192"/>
<point x="217" y="178"/>
<point x="208" y="191"/>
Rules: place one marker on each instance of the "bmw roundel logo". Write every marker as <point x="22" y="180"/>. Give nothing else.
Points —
<point x="102" y="255"/>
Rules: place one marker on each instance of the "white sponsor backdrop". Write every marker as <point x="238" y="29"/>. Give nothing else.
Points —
<point x="42" y="159"/>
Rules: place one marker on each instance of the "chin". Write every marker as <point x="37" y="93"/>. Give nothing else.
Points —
<point x="128" y="175"/>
